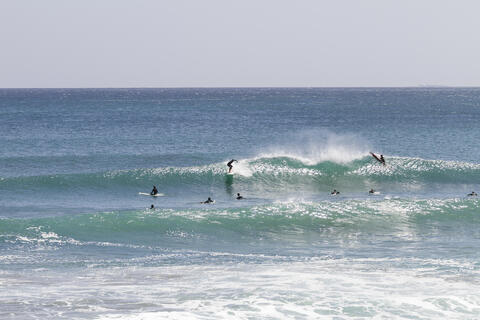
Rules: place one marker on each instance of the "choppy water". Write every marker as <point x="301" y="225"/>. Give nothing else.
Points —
<point x="77" y="240"/>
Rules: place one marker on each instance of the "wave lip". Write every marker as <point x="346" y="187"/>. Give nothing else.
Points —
<point x="405" y="169"/>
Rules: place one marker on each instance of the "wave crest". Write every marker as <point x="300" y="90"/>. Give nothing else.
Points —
<point x="269" y="170"/>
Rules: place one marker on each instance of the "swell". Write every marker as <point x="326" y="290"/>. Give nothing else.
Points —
<point x="275" y="171"/>
<point x="278" y="221"/>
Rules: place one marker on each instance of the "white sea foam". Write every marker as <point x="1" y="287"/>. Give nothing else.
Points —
<point x="322" y="288"/>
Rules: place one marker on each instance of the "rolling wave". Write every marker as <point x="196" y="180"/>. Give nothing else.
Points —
<point x="270" y="171"/>
<point x="276" y="221"/>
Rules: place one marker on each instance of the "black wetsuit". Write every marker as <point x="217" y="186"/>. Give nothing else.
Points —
<point x="154" y="191"/>
<point x="208" y="201"/>
<point x="229" y="164"/>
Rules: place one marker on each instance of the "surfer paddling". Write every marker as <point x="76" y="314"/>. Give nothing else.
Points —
<point x="209" y="200"/>
<point x="239" y="197"/>
<point x="230" y="166"/>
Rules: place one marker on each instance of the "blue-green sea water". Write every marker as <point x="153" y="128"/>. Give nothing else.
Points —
<point x="78" y="241"/>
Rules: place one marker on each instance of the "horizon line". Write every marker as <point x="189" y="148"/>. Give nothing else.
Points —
<point x="252" y="87"/>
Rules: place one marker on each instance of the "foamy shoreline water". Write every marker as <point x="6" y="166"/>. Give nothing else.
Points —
<point x="315" y="288"/>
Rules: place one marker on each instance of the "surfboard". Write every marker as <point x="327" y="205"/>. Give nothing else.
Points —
<point x="151" y="195"/>
<point x="229" y="173"/>
<point x="377" y="158"/>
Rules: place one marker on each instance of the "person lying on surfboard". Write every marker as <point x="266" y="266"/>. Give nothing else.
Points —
<point x="230" y="166"/>
<point x="209" y="200"/>
<point x="154" y="191"/>
<point x="239" y="197"/>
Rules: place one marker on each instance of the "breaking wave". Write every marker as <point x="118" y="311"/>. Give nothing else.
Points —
<point x="270" y="170"/>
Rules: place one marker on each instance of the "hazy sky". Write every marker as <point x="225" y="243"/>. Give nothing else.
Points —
<point x="222" y="43"/>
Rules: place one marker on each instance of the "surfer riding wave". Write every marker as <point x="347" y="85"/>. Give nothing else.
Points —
<point x="230" y="166"/>
<point x="380" y="159"/>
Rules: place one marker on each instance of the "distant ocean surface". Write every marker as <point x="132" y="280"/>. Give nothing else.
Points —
<point x="77" y="241"/>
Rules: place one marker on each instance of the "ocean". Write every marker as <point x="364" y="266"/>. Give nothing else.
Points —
<point x="78" y="241"/>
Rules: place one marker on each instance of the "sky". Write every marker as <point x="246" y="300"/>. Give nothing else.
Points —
<point x="248" y="43"/>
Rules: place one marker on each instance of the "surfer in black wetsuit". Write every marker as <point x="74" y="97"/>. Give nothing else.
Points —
<point x="154" y="191"/>
<point x="209" y="200"/>
<point x="239" y="197"/>
<point x="371" y="191"/>
<point x="229" y="165"/>
<point x="381" y="159"/>
<point x="152" y="207"/>
<point x="473" y="194"/>
<point x="335" y="191"/>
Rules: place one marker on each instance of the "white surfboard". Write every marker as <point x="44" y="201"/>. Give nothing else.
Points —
<point x="151" y="195"/>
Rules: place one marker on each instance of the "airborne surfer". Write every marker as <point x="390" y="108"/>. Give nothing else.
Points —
<point x="382" y="159"/>
<point x="230" y="166"/>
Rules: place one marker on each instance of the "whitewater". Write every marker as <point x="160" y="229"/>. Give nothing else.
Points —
<point x="77" y="241"/>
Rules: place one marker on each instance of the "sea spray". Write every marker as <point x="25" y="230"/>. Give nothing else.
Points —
<point x="315" y="146"/>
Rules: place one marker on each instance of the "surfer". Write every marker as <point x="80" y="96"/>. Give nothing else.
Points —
<point x="239" y="197"/>
<point x="371" y="191"/>
<point x="335" y="191"/>
<point x="230" y="166"/>
<point x="152" y="207"/>
<point x="381" y="159"/>
<point x="209" y="200"/>
<point x="154" y="191"/>
<point x="473" y="194"/>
